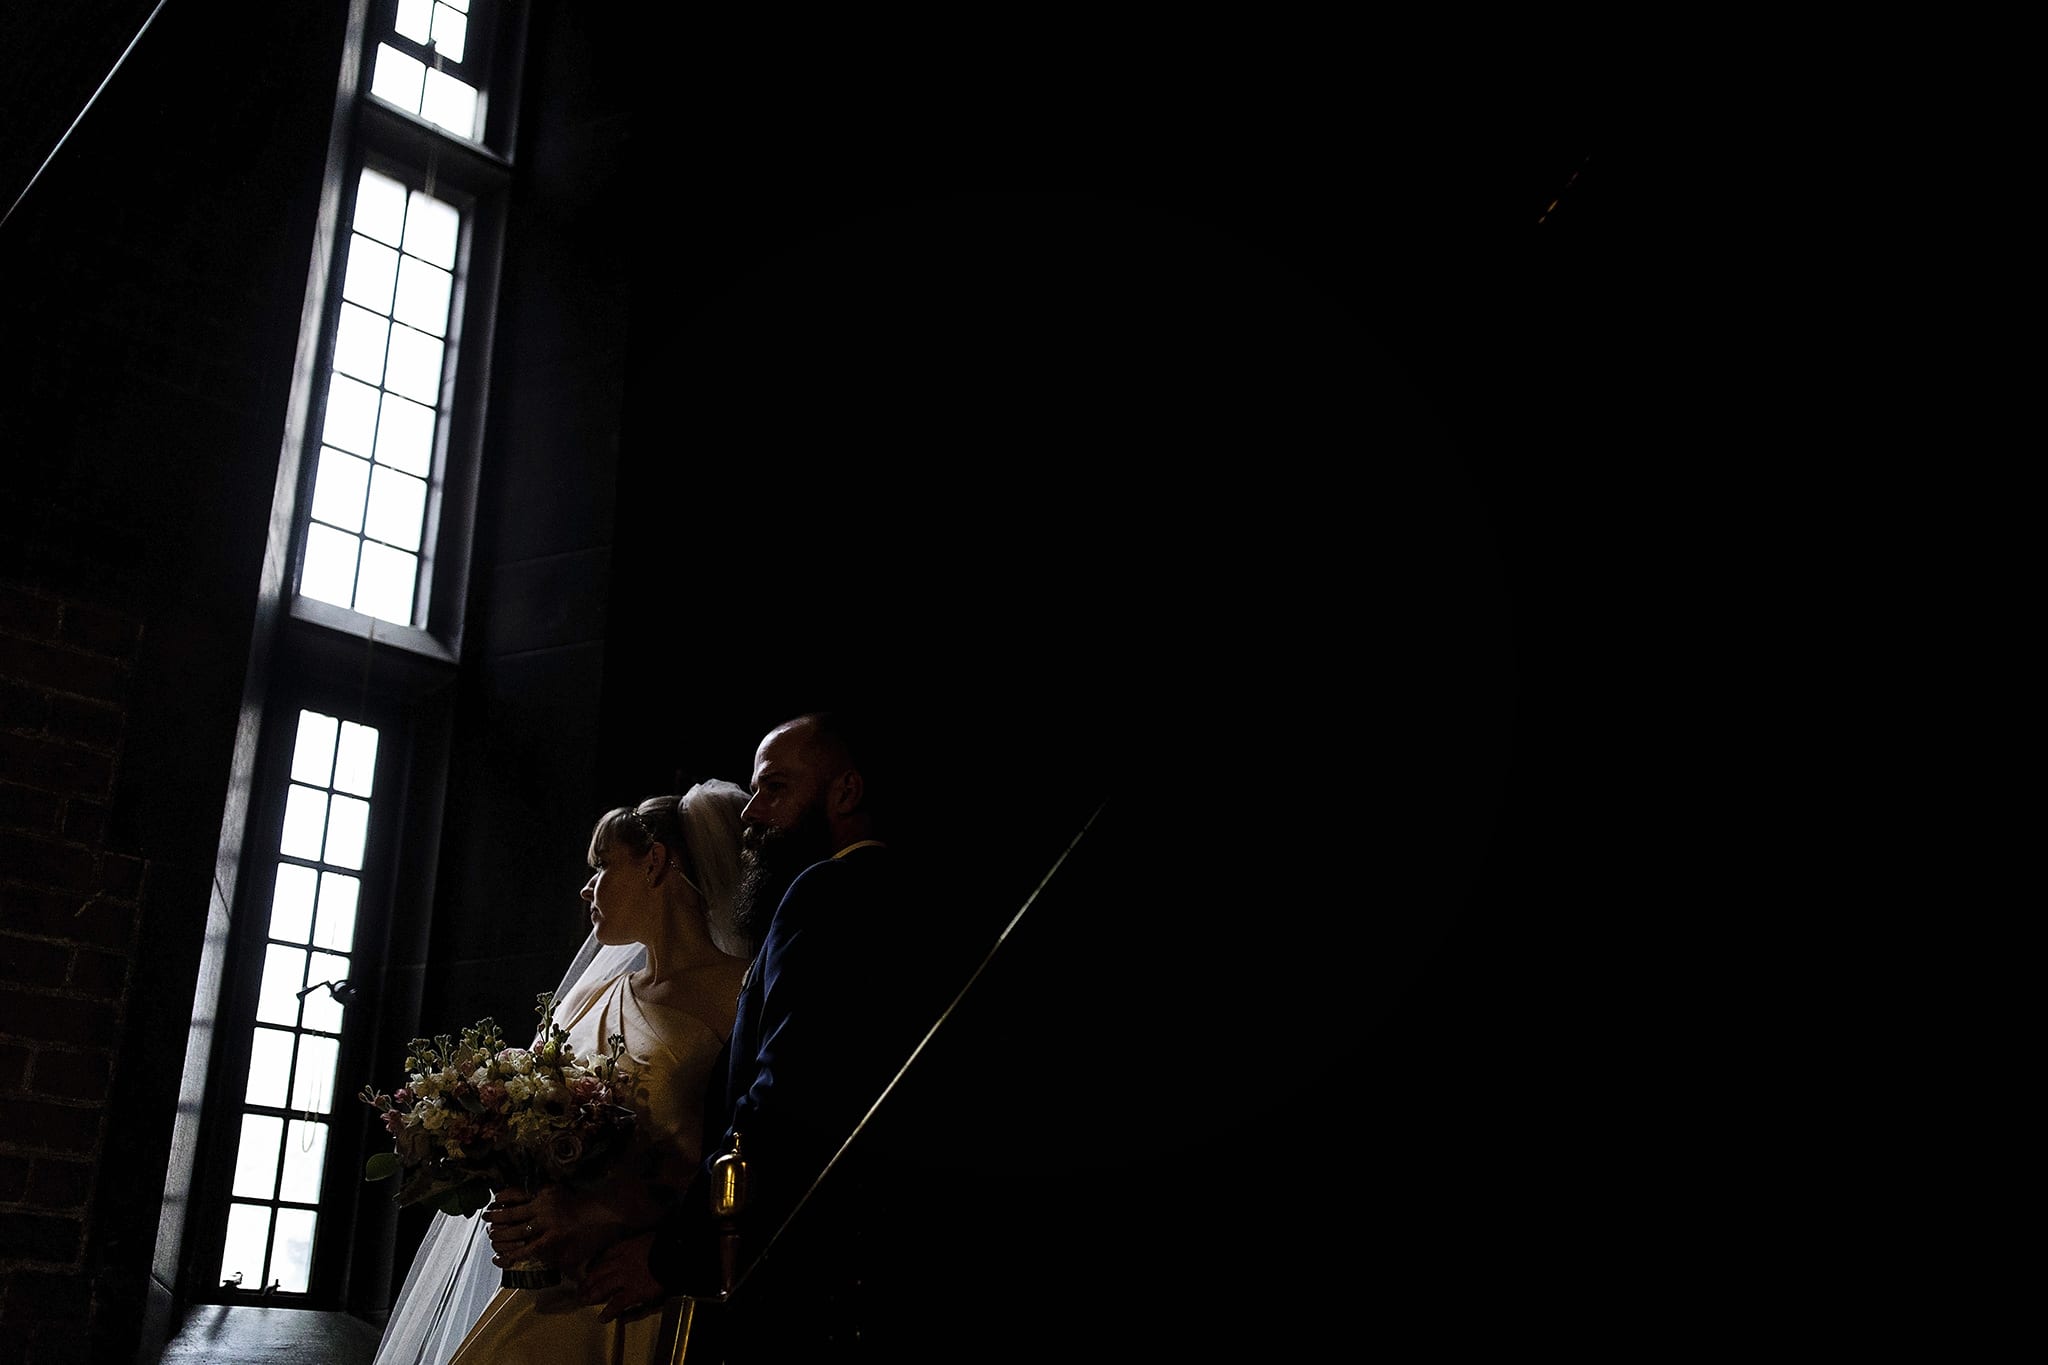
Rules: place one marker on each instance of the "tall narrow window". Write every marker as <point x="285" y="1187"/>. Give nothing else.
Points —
<point x="384" y="398"/>
<point x="384" y="456"/>
<point x="288" y="1098"/>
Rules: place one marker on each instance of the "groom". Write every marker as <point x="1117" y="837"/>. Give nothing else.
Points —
<point x="853" y="969"/>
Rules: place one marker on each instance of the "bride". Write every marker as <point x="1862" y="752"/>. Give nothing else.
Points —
<point x="662" y="966"/>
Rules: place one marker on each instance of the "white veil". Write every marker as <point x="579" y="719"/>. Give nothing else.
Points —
<point x="452" y="1279"/>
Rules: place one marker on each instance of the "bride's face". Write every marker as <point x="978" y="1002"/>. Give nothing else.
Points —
<point x="620" y="897"/>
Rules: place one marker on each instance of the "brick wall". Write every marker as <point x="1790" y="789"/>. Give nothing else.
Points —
<point x="68" y="927"/>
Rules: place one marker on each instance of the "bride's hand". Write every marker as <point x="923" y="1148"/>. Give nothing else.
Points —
<point x="529" y="1225"/>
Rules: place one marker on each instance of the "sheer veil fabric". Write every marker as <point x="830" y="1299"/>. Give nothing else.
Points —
<point x="452" y="1279"/>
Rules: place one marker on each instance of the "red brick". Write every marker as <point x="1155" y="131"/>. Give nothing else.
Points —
<point x="62" y="670"/>
<point x="95" y="973"/>
<point x="58" y="1184"/>
<point x="25" y="808"/>
<point x="99" y="630"/>
<point x="45" y="1126"/>
<point x="84" y="821"/>
<point x="45" y="862"/>
<point x="121" y="875"/>
<point x="14" y="1173"/>
<point x="31" y="1017"/>
<point x="95" y="724"/>
<point x="40" y="1237"/>
<point x="27" y="962"/>
<point x="13" y="1066"/>
<point x="22" y="614"/>
<point x="39" y="1295"/>
<point x="97" y="920"/>
<point x="67" y="1075"/>
<point x="23" y="708"/>
<point x="56" y="767"/>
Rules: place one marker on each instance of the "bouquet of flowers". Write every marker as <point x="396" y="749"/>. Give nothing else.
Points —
<point x="475" y="1115"/>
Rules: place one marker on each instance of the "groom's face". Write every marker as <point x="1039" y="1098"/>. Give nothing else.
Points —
<point x="786" y="829"/>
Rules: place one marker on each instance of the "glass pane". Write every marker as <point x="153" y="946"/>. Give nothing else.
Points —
<point x="423" y="296"/>
<point x="386" y="589"/>
<point x="291" y="1258"/>
<point x="462" y="5"/>
<point x="270" y="1068"/>
<point x="372" y="273"/>
<point x="397" y="78"/>
<point x="398" y="504"/>
<point x="380" y="207"/>
<point x="414" y="16"/>
<point x="322" y="1010"/>
<point x="330" y="571"/>
<point x="284" y="971"/>
<point x="291" y="903"/>
<point x="414" y="368"/>
<point x="347" y="819"/>
<point x="313" y="752"/>
<point x="451" y="32"/>
<point x="351" y="415"/>
<point x="313" y="1082"/>
<point x="405" y="438"/>
<point x="450" y="103"/>
<point x="256" y="1163"/>
<point x="248" y="1235"/>
<point x="357" y="761"/>
<point x="337" y="928"/>
<point x="339" y="490"/>
<point x="359" y="343"/>
<point x="430" y="230"/>
<point x="305" y="822"/>
<point x="305" y="1148"/>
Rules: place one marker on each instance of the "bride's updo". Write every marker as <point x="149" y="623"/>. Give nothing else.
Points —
<point x="701" y="829"/>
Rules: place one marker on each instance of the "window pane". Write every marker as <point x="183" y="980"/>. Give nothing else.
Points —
<point x="338" y="893"/>
<point x="291" y="904"/>
<point x="414" y="368"/>
<point x="414" y="20"/>
<point x="322" y="1010"/>
<point x="357" y="761"/>
<point x="305" y="822"/>
<point x="256" y="1163"/>
<point x="313" y="751"/>
<point x="347" y="818"/>
<point x="451" y="32"/>
<point x="450" y="103"/>
<point x="405" y="438"/>
<point x="330" y="572"/>
<point x="305" y="1148"/>
<point x="291" y="1257"/>
<point x="386" y="589"/>
<point x="431" y="227"/>
<point x="359" y="343"/>
<point x="248" y="1235"/>
<point x="372" y="274"/>
<point x="284" y="971"/>
<point x="340" y="488"/>
<point x="270" y="1067"/>
<point x="397" y="78"/>
<point x="380" y="207"/>
<point x="423" y="296"/>
<point x="351" y="415"/>
<point x="398" y="504"/>
<point x="313" y="1082"/>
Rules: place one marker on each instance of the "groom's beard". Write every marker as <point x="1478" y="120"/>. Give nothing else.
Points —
<point x="770" y="860"/>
